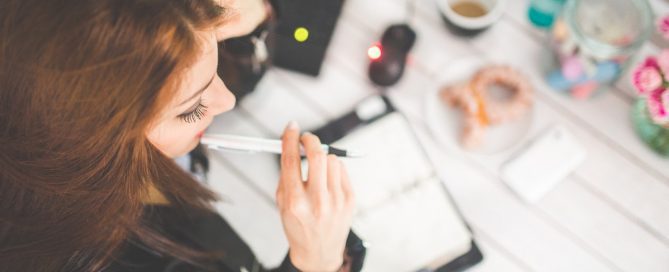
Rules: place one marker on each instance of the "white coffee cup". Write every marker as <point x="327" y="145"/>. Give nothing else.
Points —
<point x="465" y="25"/>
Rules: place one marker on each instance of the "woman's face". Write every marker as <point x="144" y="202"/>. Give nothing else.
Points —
<point x="201" y="96"/>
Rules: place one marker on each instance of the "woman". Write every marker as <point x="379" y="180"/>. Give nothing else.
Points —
<point x="96" y="99"/>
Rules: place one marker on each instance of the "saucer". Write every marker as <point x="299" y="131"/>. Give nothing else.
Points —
<point x="445" y="122"/>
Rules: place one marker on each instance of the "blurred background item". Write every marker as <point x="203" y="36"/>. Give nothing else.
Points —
<point x="295" y="36"/>
<point x="650" y="113"/>
<point x="244" y="60"/>
<point x="542" y="13"/>
<point x="303" y="32"/>
<point x="470" y="17"/>
<point x="593" y="42"/>
<point x="388" y="57"/>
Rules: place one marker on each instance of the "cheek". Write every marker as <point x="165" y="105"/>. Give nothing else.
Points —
<point x="176" y="138"/>
<point x="172" y="138"/>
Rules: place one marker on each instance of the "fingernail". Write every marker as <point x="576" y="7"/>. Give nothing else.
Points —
<point x="293" y="125"/>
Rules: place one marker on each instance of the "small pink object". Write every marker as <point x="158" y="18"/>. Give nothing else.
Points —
<point x="664" y="97"/>
<point x="663" y="26"/>
<point x="646" y="76"/>
<point x="663" y="61"/>
<point x="572" y="68"/>
<point x="647" y="79"/>
<point x="656" y="101"/>
<point x="584" y="90"/>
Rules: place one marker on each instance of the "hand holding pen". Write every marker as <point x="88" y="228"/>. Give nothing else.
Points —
<point x="316" y="214"/>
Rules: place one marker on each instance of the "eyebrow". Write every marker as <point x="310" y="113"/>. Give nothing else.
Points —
<point x="199" y="91"/>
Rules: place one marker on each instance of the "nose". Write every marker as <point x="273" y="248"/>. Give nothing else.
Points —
<point x="224" y="99"/>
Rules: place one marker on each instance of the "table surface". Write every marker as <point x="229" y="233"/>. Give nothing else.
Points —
<point x="611" y="214"/>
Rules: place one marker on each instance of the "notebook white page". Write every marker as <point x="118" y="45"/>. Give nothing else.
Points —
<point x="403" y="212"/>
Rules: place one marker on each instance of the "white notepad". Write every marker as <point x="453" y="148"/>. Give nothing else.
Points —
<point x="403" y="212"/>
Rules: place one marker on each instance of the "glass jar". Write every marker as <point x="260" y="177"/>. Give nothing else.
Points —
<point x="654" y="135"/>
<point x="592" y="44"/>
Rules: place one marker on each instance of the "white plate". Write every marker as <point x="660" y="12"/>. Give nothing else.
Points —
<point x="445" y="121"/>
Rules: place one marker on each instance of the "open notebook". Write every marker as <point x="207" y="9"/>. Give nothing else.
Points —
<point x="403" y="211"/>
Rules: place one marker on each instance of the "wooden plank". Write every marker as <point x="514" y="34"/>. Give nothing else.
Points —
<point x="369" y="11"/>
<point x="268" y="104"/>
<point x="495" y="257"/>
<point x="491" y="207"/>
<point x="495" y="260"/>
<point x="334" y="92"/>
<point x="605" y="230"/>
<point x="629" y="188"/>
<point x="349" y="46"/>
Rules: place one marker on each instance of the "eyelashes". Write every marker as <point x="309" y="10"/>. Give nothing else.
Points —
<point x="194" y="115"/>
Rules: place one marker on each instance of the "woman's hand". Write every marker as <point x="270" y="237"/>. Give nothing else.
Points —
<point x="243" y="16"/>
<point x="316" y="214"/>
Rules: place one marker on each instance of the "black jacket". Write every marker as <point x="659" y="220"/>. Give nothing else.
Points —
<point x="206" y="231"/>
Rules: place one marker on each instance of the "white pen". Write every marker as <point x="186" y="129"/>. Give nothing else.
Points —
<point x="252" y="145"/>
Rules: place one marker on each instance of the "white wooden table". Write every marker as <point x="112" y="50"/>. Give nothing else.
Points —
<point x="611" y="214"/>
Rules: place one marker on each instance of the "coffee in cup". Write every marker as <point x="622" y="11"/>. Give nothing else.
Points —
<point x="469" y="17"/>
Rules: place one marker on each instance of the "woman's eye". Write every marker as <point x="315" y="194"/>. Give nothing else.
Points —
<point x="194" y="115"/>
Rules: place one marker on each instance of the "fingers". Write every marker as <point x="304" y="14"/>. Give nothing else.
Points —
<point x="317" y="159"/>
<point x="347" y="190"/>
<point x="328" y="182"/>
<point x="291" y="170"/>
<point x="334" y="178"/>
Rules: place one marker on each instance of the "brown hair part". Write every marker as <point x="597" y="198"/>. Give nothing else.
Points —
<point x="80" y="82"/>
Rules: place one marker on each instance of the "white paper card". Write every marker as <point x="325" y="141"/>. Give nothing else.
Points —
<point x="543" y="164"/>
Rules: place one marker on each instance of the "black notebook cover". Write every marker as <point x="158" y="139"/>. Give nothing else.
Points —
<point x="319" y="17"/>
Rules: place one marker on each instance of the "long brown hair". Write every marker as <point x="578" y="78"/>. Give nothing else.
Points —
<point x="80" y="82"/>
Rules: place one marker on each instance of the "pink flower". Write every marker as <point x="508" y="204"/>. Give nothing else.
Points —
<point x="647" y="78"/>
<point x="663" y="61"/>
<point x="663" y="26"/>
<point x="665" y="99"/>
<point x="658" y="105"/>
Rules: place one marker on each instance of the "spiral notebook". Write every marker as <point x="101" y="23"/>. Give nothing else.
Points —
<point x="403" y="211"/>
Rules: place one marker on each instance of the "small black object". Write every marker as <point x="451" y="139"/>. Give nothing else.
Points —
<point x="337" y="152"/>
<point x="243" y="61"/>
<point x="337" y="129"/>
<point x="395" y="44"/>
<point x="469" y="259"/>
<point x="355" y="248"/>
